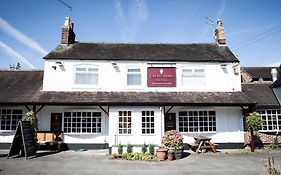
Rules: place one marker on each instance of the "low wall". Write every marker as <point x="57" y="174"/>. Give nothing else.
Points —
<point x="262" y="138"/>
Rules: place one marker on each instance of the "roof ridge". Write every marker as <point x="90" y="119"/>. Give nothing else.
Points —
<point x="144" y="43"/>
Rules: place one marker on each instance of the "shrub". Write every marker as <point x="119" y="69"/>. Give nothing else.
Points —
<point x="120" y="149"/>
<point x="29" y="116"/>
<point x="151" y="149"/>
<point x="134" y="156"/>
<point x="144" y="148"/>
<point x="253" y="121"/>
<point x="129" y="148"/>
<point x="172" y="140"/>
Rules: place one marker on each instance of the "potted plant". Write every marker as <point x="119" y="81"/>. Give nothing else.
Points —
<point x="171" y="154"/>
<point x="161" y="153"/>
<point x="173" y="140"/>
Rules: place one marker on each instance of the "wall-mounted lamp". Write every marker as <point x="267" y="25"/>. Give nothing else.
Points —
<point x="224" y="68"/>
<point x="59" y="63"/>
<point x="114" y="64"/>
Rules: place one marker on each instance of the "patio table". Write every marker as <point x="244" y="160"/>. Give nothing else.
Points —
<point x="202" y="143"/>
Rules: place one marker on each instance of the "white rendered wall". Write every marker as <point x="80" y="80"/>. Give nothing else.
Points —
<point x="229" y="125"/>
<point x="219" y="77"/>
<point x="136" y="137"/>
<point x="45" y="122"/>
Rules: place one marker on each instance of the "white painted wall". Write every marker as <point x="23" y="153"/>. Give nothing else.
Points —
<point x="229" y="127"/>
<point x="45" y="122"/>
<point x="218" y="78"/>
<point x="136" y="137"/>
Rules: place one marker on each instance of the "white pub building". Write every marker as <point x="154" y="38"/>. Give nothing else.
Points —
<point x="102" y="94"/>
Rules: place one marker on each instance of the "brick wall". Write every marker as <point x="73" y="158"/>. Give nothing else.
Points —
<point x="262" y="138"/>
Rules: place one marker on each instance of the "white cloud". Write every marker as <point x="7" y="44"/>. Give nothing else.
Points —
<point x="128" y="26"/>
<point x="20" y="37"/>
<point x="275" y="64"/>
<point x="16" y="55"/>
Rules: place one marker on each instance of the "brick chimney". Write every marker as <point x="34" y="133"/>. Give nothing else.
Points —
<point x="67" y="34"/>
<point x="219" y="33"/>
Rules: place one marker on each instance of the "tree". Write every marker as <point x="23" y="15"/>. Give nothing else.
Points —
<point x="253" y="123"/>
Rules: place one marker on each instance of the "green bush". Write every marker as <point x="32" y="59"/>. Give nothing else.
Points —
<point x="129" y="148"/>
<point x="120" y="149"/>
<point x="151" y="149"/>
<point x="144" y="148"/>
<point x="134" y="156"/>
<point x="253" y="121"/>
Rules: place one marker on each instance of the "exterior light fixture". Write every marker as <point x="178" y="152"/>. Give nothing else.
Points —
<point x="59" y="63"/>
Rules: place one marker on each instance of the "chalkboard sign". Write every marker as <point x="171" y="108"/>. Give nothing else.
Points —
<point x="23" y="141"/>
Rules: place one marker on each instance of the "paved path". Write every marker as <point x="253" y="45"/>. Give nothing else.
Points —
<point x="70" y="162"/>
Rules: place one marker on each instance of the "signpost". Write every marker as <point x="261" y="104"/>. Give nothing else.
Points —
<point x="23" y="141"/>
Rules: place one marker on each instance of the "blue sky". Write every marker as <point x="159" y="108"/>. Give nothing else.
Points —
<point x="31" y="28"/>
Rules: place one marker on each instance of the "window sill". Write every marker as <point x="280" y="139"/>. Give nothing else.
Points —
<point x="78" y="87"/>
<point x="198" y="133"/>
<point x="150" y="135"/>
<point x="124" y="135"/>
<point x="272" y="131"/>
<point x="7" y="131"/>
<point x="82" y="133"/>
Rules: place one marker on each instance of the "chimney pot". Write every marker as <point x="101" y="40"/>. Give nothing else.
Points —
<point x="274" y="74"/>
<point x="219" y="33"/>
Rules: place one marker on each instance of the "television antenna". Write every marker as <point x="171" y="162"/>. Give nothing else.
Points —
<point x="209" y="21"/>
<point x="68" y="6"/>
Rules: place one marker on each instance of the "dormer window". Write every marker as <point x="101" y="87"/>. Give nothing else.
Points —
<point x="134" y="76"/>
<point x="85" y="75"/>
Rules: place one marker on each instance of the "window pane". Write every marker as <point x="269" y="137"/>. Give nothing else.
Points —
<point x="133" y="79"/>
<point x="133" y="70"/>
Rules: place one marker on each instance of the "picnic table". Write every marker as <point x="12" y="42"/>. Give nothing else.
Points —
<point x="203" y="143"/>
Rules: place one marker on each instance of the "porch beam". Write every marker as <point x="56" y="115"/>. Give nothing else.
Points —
<point x="40" y="109"/>
<point x="170" y="108"/>
<point x="104" y="110"/>
<point x="27" y="107"/>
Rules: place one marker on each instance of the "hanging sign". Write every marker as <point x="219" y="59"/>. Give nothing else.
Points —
<point x="161" y="77"/>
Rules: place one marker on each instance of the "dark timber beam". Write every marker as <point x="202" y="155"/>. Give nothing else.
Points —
<point x="27" y="108"/>
<point x="40" y="109"/>
<point x="104" y="110"/>
<point x="170" y="108"/>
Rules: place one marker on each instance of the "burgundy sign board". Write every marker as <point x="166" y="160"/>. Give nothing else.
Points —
<point x="161" y="77"/>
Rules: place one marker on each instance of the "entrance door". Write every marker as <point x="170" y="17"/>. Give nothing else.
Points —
<point x="170" y="121"/>
<point x="56" y="122"/>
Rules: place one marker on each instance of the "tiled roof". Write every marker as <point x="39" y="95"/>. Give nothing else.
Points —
<point x="261" y="93"/>
<point x="260" y="72"/>
<point x="143" y="52"/>
<point x="24" y="87"/>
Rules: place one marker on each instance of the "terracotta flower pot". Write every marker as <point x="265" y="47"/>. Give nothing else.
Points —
<point x="161" y="154"/>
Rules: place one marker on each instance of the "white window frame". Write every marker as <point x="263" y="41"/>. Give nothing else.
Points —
<point x="148" y="122"/>
<point x="271" y="122"/>
<point x="125" y="122"/>
<point x="14" y="118"/>
<point x="87" y="68"/>
<point x="193" y="75"/>
<point x="209" y="120"/>
<point x="96" y="122"/>
<point x="134" y="73"/>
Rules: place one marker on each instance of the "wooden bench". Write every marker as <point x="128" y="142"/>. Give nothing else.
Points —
<point x="47" y="138"/>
